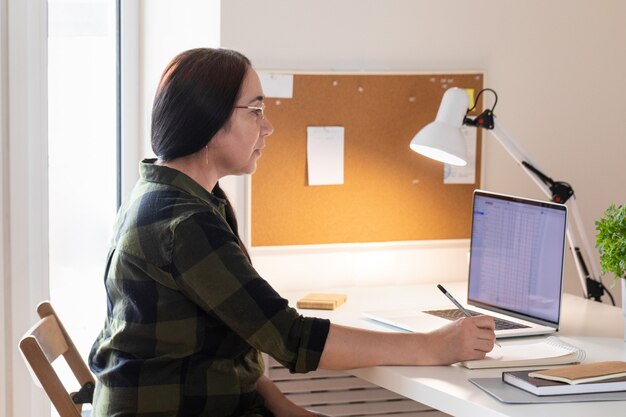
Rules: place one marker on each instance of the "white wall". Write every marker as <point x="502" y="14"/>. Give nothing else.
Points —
<point x="320" y="267"/>
<point x="4" y="217"/>
<point x="557" y="66"/>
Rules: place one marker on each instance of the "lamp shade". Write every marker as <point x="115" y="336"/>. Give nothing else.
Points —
<point x="442" y="139"/>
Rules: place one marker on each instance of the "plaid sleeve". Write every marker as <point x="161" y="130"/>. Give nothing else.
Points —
<point x="212" y="270"/>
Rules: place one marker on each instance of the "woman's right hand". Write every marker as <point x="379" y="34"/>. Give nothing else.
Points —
<point x="467" y="338"/>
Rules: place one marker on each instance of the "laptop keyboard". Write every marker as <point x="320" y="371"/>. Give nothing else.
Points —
<point x="454" y="314"/>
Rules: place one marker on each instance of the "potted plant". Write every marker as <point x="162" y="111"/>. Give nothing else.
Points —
<point x="611" y="243"/>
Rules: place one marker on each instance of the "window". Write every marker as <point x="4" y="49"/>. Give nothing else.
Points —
<point x="82" y="106"/>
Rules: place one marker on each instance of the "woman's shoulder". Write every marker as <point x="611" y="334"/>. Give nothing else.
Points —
<point x="165" y="200"/>
<point x="155" y="215"/>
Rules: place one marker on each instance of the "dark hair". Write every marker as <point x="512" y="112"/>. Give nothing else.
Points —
<point x="194" y="100"/>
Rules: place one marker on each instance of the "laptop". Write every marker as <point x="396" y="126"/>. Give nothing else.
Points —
<point x="517" y="249"/>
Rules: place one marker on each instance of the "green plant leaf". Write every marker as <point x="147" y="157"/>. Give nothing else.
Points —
<point x="611" y="240"/>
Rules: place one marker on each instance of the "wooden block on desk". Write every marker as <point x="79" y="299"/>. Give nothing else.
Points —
<point x="319" y="301"/>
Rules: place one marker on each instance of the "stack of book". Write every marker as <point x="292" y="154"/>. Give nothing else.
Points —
<point x="609" y="376"/>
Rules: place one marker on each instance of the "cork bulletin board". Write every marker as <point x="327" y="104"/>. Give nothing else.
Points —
<point x="390" y="193"/>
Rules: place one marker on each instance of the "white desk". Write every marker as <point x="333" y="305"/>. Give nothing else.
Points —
<point x="597" y="328"/>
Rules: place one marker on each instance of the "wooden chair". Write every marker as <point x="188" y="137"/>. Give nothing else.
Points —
<point x="42" y="345"/>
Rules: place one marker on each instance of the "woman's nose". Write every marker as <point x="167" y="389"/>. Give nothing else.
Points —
<point x="268" y="129"/>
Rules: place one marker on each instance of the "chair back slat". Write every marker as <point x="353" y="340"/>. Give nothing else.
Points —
<point x="48" y="333"/>
<point x="47" y="377"/>
<point x="71" y="354"/>
<point x="45" y="342"/>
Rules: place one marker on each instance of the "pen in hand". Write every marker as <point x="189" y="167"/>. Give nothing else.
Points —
<point x="458" y="305"/>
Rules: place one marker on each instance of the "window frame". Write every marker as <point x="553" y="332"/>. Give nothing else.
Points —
<point x="24" y="192"/>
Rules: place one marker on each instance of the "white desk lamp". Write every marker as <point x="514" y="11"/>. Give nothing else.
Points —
<point x="443" y="141"/>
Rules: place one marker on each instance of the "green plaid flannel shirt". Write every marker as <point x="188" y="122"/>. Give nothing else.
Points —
<point x="187" y="314"/>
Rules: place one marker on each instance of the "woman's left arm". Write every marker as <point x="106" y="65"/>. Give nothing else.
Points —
<point x="276" y="401"/>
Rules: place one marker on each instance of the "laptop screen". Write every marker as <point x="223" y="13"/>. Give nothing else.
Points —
<point x="516" y="262"/>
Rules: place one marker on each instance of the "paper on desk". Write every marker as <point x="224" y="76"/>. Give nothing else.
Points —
<point x="325" y="154"/>
<point x="549" y="351"/>
<point x="466" y="174"/>
<point x="526" y="352"/>
<point x="276" y="85"/>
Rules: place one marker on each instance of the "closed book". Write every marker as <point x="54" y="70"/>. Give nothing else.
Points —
<point x="537" y="386"/>
<point x="588" y="372"/>
<point x="320" y="301"/>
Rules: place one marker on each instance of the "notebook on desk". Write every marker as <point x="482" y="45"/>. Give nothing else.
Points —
<point x="517" y="249"/>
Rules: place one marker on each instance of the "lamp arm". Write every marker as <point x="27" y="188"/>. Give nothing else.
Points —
<point x="595" y="269"/>
<point x="520" y="155"/>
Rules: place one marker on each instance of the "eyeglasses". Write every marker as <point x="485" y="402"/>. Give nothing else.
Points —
<point x="258" y="110"/>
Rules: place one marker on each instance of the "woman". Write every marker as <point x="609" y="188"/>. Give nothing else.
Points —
<point x="187" y="313"/>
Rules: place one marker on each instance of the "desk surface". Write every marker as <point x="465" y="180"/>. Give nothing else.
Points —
<point x="596" y="328"/>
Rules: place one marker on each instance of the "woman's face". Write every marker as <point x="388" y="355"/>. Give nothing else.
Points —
<point x="237" y="146"/>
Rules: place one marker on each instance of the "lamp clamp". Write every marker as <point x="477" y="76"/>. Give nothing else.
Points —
<point x="561" y="191"/>
<point x="484" y="120"/>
